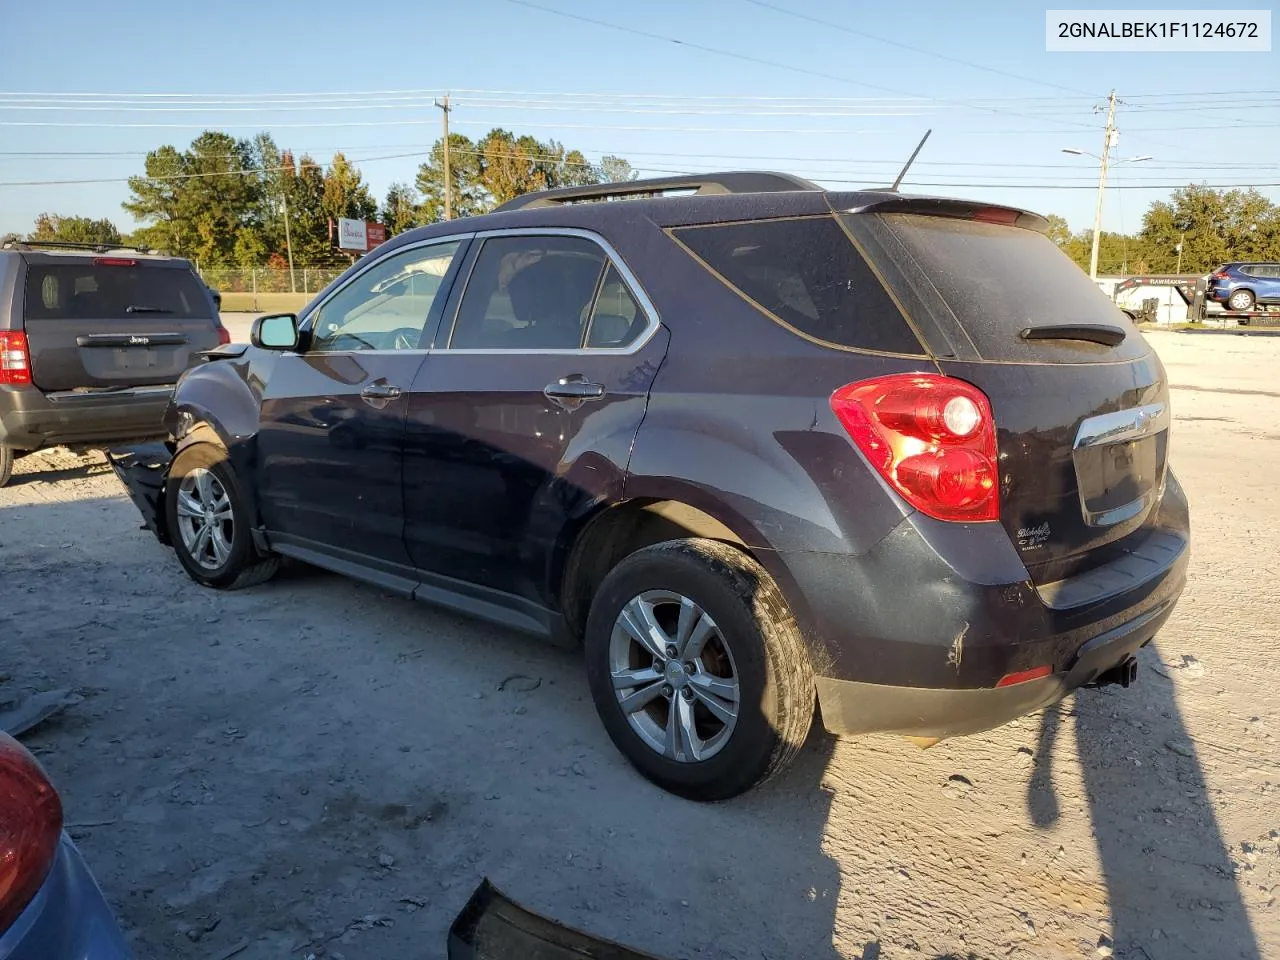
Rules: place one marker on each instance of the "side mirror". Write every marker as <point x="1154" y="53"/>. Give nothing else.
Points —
<point x="278" y="331"/>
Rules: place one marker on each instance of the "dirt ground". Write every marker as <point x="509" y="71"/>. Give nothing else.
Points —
<point x="312" y="768"/>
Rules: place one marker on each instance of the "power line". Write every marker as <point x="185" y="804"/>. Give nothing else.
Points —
<point x="1170" y="166"/>
<point x="907" y="46"/>
<point x="746" y="58"/>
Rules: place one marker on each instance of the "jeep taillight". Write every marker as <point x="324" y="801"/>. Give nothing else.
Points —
<point x="933" y="438"/>
<point x="30" y="827"/>
<point x="15" y="360"/>
<point x="224" y="336"/>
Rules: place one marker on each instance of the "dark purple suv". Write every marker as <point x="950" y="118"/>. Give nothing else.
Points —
<point x="758" y="447"/>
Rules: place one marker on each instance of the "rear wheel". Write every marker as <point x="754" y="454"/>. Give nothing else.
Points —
<point x="6" y="463"/>
<point x="1241" y="300"/>
<point x="210" y="523"/>
<point x="697" y="668"/>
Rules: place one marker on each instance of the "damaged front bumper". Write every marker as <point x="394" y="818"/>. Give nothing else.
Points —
<point x="143" y="469"/>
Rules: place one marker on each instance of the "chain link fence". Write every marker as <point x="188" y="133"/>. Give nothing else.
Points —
<point x="267" y="289"/>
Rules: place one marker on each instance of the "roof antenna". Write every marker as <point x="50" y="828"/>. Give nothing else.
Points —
<point x="910" y="160"/>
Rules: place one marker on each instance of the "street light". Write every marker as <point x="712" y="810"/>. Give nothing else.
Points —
<point x="1103" y="162"/>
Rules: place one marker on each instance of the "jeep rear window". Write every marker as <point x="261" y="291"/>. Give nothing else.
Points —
<point x="807" y="274"/>
<point x="998" y="280"/>
<point x="92" y="291"/>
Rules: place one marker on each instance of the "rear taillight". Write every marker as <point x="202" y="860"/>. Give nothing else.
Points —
<point x="1221" y="275"/>
<point x="30" y="826"/>
<point x="932" y="437"/>
<point x="15" y="360"/>
<point x="224" y="336"/>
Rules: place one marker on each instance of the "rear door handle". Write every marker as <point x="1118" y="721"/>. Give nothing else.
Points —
<point x="574" y="388"/>
<point x="380" y="391"/>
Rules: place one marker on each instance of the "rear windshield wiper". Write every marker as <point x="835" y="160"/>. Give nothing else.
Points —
<point x="1102" y="333"/>
<point x="145" y="309"/>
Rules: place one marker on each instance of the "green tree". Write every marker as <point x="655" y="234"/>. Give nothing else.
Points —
<point x="399" y="211"/>
<point x="345" y="194"/>
<point x="616" y="170"/>
<point x="1058" y="230"/>
<point x="195" y="202"/>
<point x="467" y="193"/>
<point x="501" y="166"/>
<point x="52" y="226"/>
<point x="1117" y="252"/>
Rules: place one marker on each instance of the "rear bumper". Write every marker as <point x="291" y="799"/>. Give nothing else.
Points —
<point x="31" y="419"/>
<point x="142" y="470"/>
<point x="68" y="919"/>
<point x="914" y="635"/>
<point x="850" y="707"/>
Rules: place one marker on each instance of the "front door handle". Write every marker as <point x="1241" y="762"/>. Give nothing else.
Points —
<point x="380" y="391"/>
<point x="574" y="388"/>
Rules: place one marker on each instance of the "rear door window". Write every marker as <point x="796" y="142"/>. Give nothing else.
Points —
<point x="998" y="280"/>
<point x="91" y="291"/>
<point x="529" y="293"/>
<point x="806" y="274"/>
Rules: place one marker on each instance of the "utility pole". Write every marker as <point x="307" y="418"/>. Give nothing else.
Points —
<point x="1182" y="239"/>
<point x="1108" y="141"/>
<point x="288" y="242"/>
<point x="448" y="182"/>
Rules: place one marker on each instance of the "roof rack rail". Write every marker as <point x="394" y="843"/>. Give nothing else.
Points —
<point x="742" y="181"/>
<point x="68" y="245"/>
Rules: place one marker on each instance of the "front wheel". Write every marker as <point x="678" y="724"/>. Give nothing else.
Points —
<point x="697" y="668"/>
<point x="1241" y="300"/>
<point x="209" y="522"/>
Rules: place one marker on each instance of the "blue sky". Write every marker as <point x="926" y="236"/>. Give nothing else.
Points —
<point x="840" y="108"/>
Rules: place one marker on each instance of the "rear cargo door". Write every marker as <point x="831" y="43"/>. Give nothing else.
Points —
<point x="103" y="322"/>
<point x="1080" y="400"/>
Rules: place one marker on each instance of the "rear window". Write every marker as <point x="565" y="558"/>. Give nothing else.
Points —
<point x="92" y="291"/>
<point x="807" y="274"/>
<point x="998" y="280"/>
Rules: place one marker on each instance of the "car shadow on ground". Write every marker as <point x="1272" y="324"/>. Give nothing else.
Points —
<point x="1139" y="746"/>
<point x="27" y="472"/>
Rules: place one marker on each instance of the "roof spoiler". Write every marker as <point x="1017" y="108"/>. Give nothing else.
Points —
<point x="745" y="181"/>
<point x="956" y="209"/>
<point x="68" y="245"/>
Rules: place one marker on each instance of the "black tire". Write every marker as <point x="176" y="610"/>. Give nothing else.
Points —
<point x="243" y="565"/>
<point x="7" y="456"/>
<point x="1247" y="301"/>
<point x="765" y="651"/>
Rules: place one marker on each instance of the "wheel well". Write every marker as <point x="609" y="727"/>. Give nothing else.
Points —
<point x="620" y="531"/>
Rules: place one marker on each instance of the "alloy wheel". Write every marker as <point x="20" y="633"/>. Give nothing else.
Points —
<point x="674" y="676"/>
<point x="205" y="520"/>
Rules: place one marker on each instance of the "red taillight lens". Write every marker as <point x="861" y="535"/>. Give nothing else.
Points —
<point x="114" y="262"/>
<point x="30" y="825"/>
<point x="1221" y="275"/>
<point x="932" y="437"/>
<point x="224" y="336"/>
<point x="15" y="360"/>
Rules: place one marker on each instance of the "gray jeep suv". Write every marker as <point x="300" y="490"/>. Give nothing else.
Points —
<point x="91" y="342"/>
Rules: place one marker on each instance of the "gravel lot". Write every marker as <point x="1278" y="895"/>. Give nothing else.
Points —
<point x="312" y="768"/>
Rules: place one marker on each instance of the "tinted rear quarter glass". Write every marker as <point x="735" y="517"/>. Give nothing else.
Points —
<point x="68" y="291"/>
<point x="808" y="274"/>
<point x="998" y="280"/>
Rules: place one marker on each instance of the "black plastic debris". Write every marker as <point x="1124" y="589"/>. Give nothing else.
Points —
<point x="491" y="927"/>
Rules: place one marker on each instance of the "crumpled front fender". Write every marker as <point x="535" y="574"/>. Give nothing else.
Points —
<point x="143" y="470"/>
